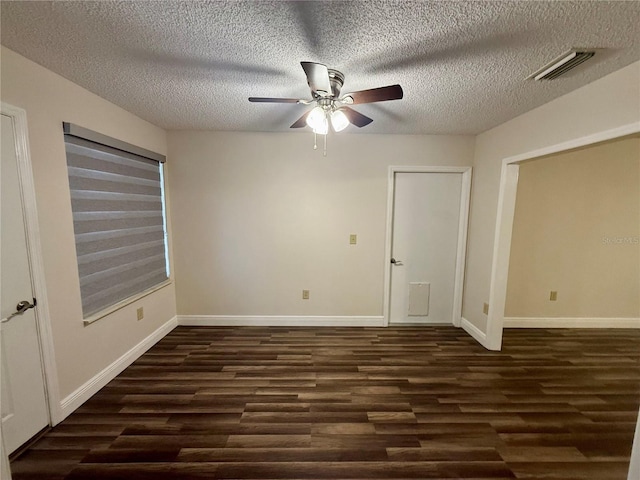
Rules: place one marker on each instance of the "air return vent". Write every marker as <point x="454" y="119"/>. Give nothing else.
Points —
<point x="563" y="64"/>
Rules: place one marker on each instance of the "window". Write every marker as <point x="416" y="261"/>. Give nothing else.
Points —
<point x="117" y="200"/>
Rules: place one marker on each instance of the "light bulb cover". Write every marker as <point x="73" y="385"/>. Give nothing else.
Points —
<point x="317" y="120"/>
<point x="323" y="128"/>
<point x="339" y="120"/>
<point x="316" y="117"/>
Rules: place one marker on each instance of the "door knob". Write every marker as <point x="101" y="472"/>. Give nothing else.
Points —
<point x="21" y="307"/>
<point x="397" y="263"/>
<point x="24" y="305"/>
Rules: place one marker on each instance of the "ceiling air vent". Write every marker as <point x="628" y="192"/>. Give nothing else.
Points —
<point x="563" y="64"/>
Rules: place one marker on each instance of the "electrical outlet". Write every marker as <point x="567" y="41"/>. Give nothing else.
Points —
<point x="485" y="308"/>
<point x="140" y="313"/>
<point x="305" y="294"/>
<point x="353" y="239"/>
<point x="553" y="296"/>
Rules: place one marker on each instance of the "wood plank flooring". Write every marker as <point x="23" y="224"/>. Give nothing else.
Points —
<point x="356" y="403"/>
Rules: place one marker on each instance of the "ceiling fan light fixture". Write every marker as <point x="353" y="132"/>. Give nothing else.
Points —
<point x="339" y="120"/>
<point x="317" y="120"/>
<point x="323" y="129"/>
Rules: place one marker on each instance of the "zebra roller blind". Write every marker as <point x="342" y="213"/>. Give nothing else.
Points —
<point x="118" y="218"/>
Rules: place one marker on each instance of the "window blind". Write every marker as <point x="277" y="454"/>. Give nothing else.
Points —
<point x="118" y="218"/>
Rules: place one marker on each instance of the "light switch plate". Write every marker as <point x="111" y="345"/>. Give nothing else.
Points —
<point x="353" y="239"/>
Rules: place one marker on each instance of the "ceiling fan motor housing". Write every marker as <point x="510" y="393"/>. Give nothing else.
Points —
<point x="336" y="79"/>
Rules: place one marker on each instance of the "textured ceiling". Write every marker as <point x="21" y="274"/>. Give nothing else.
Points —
<point x="191" y="65"/>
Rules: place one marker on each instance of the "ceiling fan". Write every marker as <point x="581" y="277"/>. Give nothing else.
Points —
<point x="330" y="107"/>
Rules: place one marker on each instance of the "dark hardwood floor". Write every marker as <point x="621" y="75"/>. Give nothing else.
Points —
<point x="357" y="403"/>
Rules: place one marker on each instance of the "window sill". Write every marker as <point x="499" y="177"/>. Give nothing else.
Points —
<point x="105" y="313"/>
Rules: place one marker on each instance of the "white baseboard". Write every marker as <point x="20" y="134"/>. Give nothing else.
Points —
<point x="570" y="322"/>
<point x="91" y="387"/>
<point x="475" y="332"/>
<point x="278" y="321"/>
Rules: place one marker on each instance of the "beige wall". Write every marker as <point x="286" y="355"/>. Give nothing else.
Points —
<point x="610" y="102"/>
<point x="81" y="351"/>
<point x="257" y="218"/>
<point x="576" y="231"/>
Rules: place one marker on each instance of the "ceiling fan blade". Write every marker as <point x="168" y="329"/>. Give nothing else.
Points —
<point x="317" y="78"/>
<point x="301" y="122"/>
<point x="380" y="94"/>
<point x="356" y="118"/>
<point x="273" y="100"/>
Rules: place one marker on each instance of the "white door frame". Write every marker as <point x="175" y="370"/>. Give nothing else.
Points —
<point x="36" y="264"/>
<point x="504" y="222"/>
<point x="465" y="195"/>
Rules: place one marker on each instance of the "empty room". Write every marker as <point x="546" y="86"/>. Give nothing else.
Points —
<point x="320" y="240"/>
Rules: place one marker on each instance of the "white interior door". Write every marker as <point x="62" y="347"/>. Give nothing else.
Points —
<point x="24" y="408"/>
<point x="424" y="247"/>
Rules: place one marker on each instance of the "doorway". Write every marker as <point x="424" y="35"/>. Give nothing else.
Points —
<point x="504" y="223"/>
<point x="427" y="214"/>
<point x="29" y="383"/>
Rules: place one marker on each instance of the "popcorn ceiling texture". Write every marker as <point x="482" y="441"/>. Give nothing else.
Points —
<point x="191" y="65"/>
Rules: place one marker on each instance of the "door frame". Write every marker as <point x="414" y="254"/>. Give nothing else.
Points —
<point x="36" y="263"/>
<point x="465" y="196"/>
<point x="504" y="222"/>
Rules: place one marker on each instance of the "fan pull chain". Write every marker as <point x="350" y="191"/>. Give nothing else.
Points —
<point x="315" y="141"/>
<point x="324" y="154"/>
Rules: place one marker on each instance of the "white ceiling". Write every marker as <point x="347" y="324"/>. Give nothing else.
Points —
<point x="191" y="65"/>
